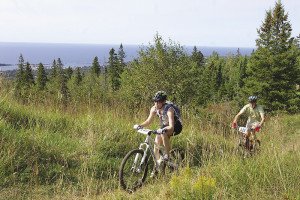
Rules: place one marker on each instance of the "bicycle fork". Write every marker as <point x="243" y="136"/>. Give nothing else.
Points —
<point x="137" y="167"/>
<point x="146" y="147"/>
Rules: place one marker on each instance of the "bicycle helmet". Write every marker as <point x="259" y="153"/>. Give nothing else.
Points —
<point x="160" y="96"/>
<point x="252" y="99"/>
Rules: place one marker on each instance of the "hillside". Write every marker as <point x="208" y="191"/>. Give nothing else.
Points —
<point x="48" y="154"/>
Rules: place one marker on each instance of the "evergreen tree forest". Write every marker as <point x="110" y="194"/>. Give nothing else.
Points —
<point x="272" y="72"/>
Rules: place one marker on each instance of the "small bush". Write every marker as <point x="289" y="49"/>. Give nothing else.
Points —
<point x="186" y="186"/>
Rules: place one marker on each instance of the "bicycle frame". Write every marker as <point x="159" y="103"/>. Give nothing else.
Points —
<point x="134" y="167"/>
<point x="148" y="145"/>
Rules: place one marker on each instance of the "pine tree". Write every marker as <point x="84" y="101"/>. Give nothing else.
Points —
<point x="20" y="82"/>
<point x="41" y="79"/>
<point x="95" y="69"/>
<point x="114" y="71"/>
<point x="78" y="76"/>
<point x="59" y="65"/>
<point x="62" y="80"/>
<point x="54" y="71"/>
<point x="20" y="77"/>
<point x="58" y="82"/>
<point x="238" y="52"/>
<point x="272" y="69"/>
<point x="219" y="78"/>
<point x="55" y="76"/>
<point x="121" y="58"/>
<point x="28" y="75"/>
<point x="197" y="57"/>
<point x="264" y="32"/>
<point x="69" y="72"/>
<point x="58" y="74"/>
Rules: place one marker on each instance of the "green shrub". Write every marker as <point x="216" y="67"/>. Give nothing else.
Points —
<point x="187" y="186"/>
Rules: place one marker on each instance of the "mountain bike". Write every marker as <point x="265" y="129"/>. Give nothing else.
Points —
<point x="135" y="165"/>
<point x="248" y="146"/>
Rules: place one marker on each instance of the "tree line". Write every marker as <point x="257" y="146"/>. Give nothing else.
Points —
<point x="272" y="72"/>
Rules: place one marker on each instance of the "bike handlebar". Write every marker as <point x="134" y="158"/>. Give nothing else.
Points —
<point x="147" y="131"/>
<point x="243" y="129"/>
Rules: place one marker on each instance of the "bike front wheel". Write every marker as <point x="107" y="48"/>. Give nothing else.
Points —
<point x="133" y="170"/>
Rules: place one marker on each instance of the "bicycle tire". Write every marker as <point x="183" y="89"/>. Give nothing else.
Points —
<point x="176" y="161"/>
<point x="241" y="147"/>
<point x="131" y="180"/>
<point x="177" y="155"/>
<point x="256" y="146"/>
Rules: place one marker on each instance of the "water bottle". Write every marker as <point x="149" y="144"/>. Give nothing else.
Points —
<point x="243" y="129"/>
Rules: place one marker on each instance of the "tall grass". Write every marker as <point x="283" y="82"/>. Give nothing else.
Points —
<point x="61" y="154"/>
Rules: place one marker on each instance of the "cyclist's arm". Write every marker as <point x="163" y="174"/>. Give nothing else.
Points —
<point x="171" y="118"/>
<point x="262" y="116"/>
<point x="237" y="117"/>
<point x="239" y="114"/>
<point x="150" y="117"/>
<point x="234" y="122"/>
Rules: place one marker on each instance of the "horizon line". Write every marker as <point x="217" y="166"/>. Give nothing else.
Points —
<point x="67" y="43"/>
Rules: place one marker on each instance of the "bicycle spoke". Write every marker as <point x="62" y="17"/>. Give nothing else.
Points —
<point x="176" y="160"/>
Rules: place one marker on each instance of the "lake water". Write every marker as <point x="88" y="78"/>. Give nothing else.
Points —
<point x="81" y="54"/>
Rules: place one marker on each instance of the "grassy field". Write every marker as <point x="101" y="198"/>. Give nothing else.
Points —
<point x="53" y="154"/>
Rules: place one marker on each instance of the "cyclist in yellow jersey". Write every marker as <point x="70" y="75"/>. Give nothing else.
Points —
<point x="256" y="115"/>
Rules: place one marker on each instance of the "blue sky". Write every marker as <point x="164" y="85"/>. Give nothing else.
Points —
<point x="228" y="23"/>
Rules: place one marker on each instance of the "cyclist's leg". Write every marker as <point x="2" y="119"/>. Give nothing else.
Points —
<point x="166" y="141"/>
<point x="247" y="134"/>
<point x="167" y="137"/>
<point x="159" y="141"/>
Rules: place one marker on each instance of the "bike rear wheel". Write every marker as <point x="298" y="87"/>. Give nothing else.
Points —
<point x="255" y="145"/>
<point x="177" y="157"/>
<point x="175" y="161"/>
<point x="133" y="172"/>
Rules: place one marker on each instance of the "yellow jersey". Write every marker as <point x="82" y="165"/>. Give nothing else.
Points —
<point x="253" y="113"/>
